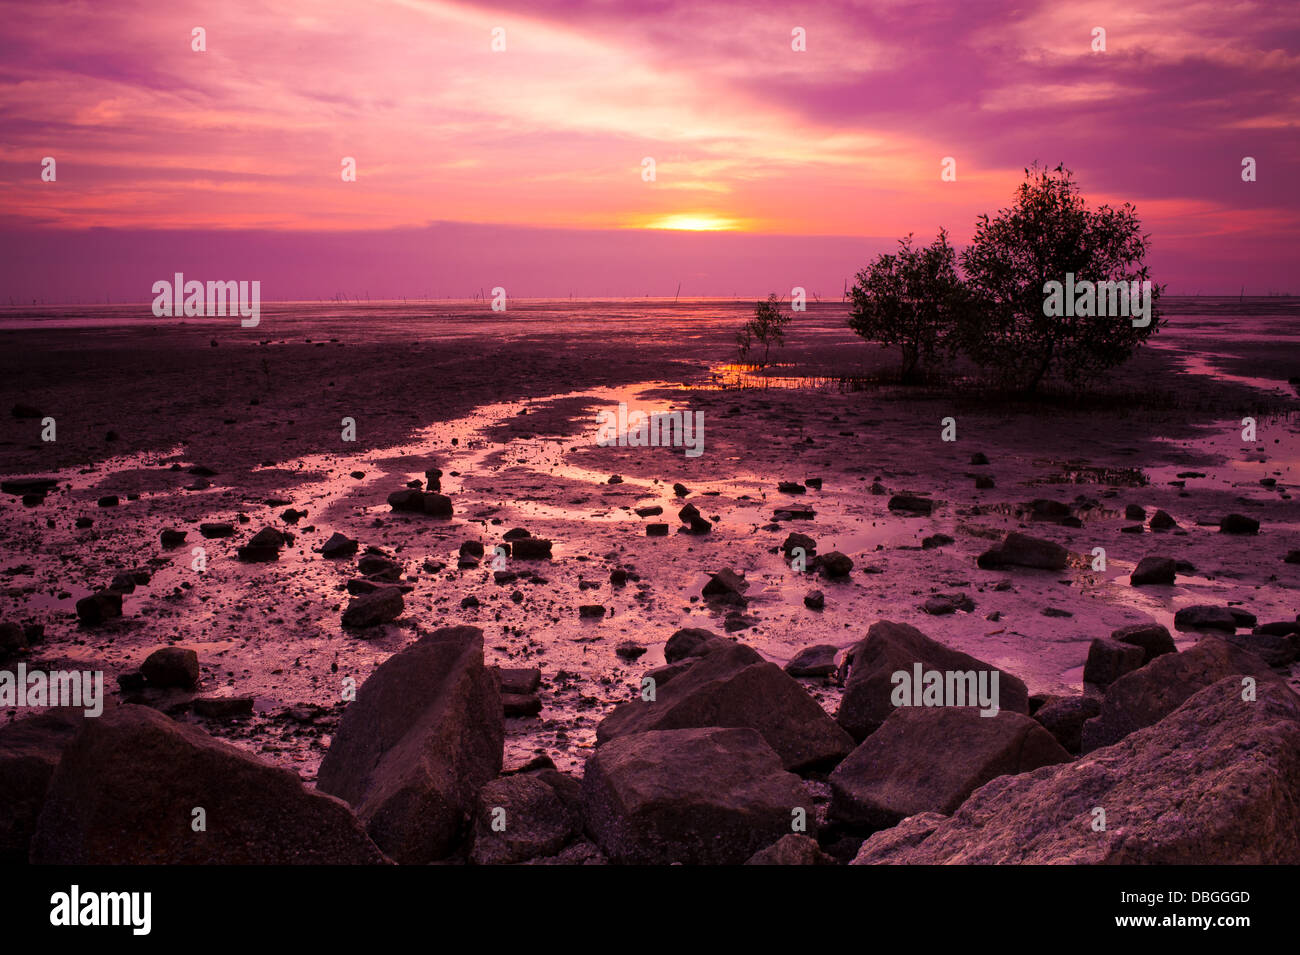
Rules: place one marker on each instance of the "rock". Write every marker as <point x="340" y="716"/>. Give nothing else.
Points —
<point x="803" y="541"/>
<point x="890" y="846"/>
<point x="21" y="410"/>
<point x="1280" y="628"/>
<point x="1160" y="521"/>
<point x="814" y="600"/>
<point x="729" y="688"/>
<point x="813" y="661"/>
<point x="727" y="587"/>
<point x="108" y="500"/>
<point x="1151" y="693"/>
<point x="936" y="540"/>
<point x="519" y="679"/>
<point x="911" y="504"/>
<point x="680" y="490"/>
<point x="979" y="458"/>
<point x="687" y="642"/>
<point x="123" y="583"/>
<point x="99" y="606"/>
<point x="421" y="502"/>
<point x="1133" y="512"/>
<point x="525" y="816"/>
<point x="30" y="749"/>
<point x="1292" y="557"/>
<point x="1152" y="637"/>
<point x="890" y="647"/>
<point x="1021" y="550"/>
<point x="264" y="546"/>
<point x="1043" y="509"/>
<point x="172" y="666"/>
<point x="588" y="611"/>
<point x="1274" y="649"/>
<point x="12" y="639"/>
<point x="173" y="538"/>
<point x="705" y="796"/>
<point x="216" y="530"/>
<point x="1064" y="719"/>
<point x="793" y="514"/>
<point x="656" y="530"/>
<point x="1238" y="524"/>
<point x="224" y="707"/>
<point x="834" y="566"/>
<point x="793" y="848"/>
<point x="929" y="759"/>
<point x="629" y="650"/>
<point x="380" y="566"/>
<point x="615" y="479"/>
<point x="123" y="792"/>
<point x="650" y="511"/>
<point x="370" y="610"/>
<point x="790" y="487"/>
<point x="516" y="533"/>
<point x="423" y="736"/>
<point x="339" y="545"/>
<point x="530" y="548"/>
<point x="1108" y="660"/>
<point x="1213" y="783"/>
<point x="814" y="482"/>
<point x="520" y="705"/>
<point x="941" y="604"/>
<point x="1153" y="570"/>
<point x="1205" y="617"/>
<point x="984" y="483"/>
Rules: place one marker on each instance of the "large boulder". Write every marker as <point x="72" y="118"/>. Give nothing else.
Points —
<point x="929" y="759"/>
<point x="1064" y="719"/>
<point x="423" y="736"/>
<point x="381" y="605"/>
<point x="128" y="786"/>
<point x="890" y="647"/>
<point x="526" y="816"/>
<point x="1153" y="638"/>
<point x="1151" y="693"/>
<point x="1154" y="570"/>
<point x="1206" y="617"/>
<point x="695" y="796"/>
<point x="30" y="750"/>
<point x="1021" y="550"/>
<point x="729" y="688"/>
<point x="1108" y="660"/>
<point x="793" y="848"/>
<point x="1214" y="783"/>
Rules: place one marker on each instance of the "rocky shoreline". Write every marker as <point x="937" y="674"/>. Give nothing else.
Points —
<point x="485" y="639"/>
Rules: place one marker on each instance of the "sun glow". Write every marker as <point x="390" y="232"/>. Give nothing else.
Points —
<point x="693" y="223"/>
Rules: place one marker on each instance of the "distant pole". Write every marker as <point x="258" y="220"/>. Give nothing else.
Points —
<point x="679" y="292"/>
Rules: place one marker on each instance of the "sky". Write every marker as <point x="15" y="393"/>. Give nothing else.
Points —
<point x="525" y="166"/>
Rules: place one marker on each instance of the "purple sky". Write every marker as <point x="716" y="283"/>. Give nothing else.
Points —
<point x="522" y="167"/>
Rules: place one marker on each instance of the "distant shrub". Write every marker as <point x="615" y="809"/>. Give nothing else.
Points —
<point x="766" y="328"/>
<point x="912" y="298"/>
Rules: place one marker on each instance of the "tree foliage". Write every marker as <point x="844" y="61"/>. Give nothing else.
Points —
<point x="1047" y="233"/>
<point x="912" y="298"/>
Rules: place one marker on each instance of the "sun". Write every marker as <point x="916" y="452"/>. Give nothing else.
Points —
<point x="693" y="223"/>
